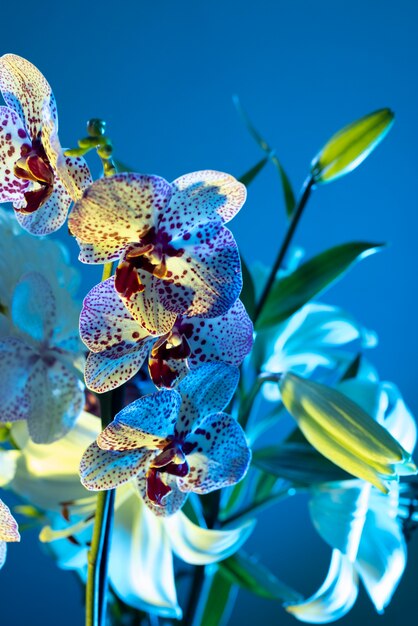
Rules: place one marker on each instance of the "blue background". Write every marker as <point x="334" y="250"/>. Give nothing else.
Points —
<point x="162" y="74"/>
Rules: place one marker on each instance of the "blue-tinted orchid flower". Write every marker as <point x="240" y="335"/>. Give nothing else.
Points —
<point x="119" y="345"/>
<point x="35" y="175"/>
<point x="173" y="442"/>
<point x="360" y="523"/>
<point x="175" y="255"/>
<point x="8" y="531"/>
<point x="38" y="376"/>
<point x="141" y="558"/>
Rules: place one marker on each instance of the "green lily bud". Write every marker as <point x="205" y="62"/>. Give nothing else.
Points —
<point x="350" y="146"/>
<point x="344" y="433"/>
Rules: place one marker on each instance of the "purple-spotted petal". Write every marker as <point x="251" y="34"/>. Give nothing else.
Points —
<point x="34" y="307"/>
<point x="12" y="137"/>
<point x="206" y="279"/>
<point x="16" y="362"/>
<point x="50" y="216"/>
<point x="111" y="368"/>
<point x="171" y="502"/>
<point x="105" y="469"/>
<point x="8" y="525"/>
<point x="25" y="90"/>
<point x="201" y="196"/>
<point x="105" y="321"/>
<point x="219" y="454"/>
<point x="226" y="338"/>
<point x="147" y="422"/>
<point x="206" y="389"/>
<point x="56" y="400"/>
<point x="116" y="211"/>
<point x="148" y="309"/>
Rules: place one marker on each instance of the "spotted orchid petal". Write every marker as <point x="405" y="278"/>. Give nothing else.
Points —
<point x="56" y="399"/>
<point x="117" y="210"/>
<point x="25" y="91"/>
<point x="8" y="525"/>
<point x="338" y="512"/>
<point x="50" y="216"/>
<point x="105" y="321"/>
<point x="201" y="196"/>
<point x="141" y="567"/>
<point x="16" y="361"/>
<point x="207" y="389"/>
<point x="381" y="558"/>
<point x="147" y="422"/>
<point x="219" y="455"/>
<point x="171" y="502"/>
<point x="335" y="597"/>
<point x="201" y="546"/>
<point x="111" y="368"/>
<point x="226" y="338"/>
<point x="12" y="137"/>
<point x="106" y="469"/>
<point x="207" y="277"/>
<point x="33" y="307"/>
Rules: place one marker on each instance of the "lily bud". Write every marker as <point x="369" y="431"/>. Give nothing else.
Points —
<point x="350" y="146"/>
<point x="344" y="433"/>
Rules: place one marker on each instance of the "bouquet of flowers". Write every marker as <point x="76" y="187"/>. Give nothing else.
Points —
<point x="191" y="389"/>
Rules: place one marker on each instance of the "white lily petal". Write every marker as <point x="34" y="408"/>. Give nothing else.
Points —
<point x="335" y="597"/>
<point x="399" y="420"/>
<point x="338" y="512"/>
<point x="140" y="567"/>
<point x="8" y="462"/>
<point x="201" y="546"/>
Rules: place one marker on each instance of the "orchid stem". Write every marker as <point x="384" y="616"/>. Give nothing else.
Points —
<point x="248" y="401"/>
<point x="306" y="192"/>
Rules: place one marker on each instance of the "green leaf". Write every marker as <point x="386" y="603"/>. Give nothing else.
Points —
<point x="247" y="178"/>
<point x="290" y="293"/>
<point x="247" y="296"/>
<point x="350" y="146"/>
<point x="289" y="196"/>
<point x="219" y="602"/>
<point x="122" y="167"/>
<point x="299" y="463"/>
<point x="245" y="571"/>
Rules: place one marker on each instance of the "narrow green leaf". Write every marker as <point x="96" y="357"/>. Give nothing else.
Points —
<point x="245" y="571"/>
<point x="247" y="296"/>
<point x="299" y="463"/>
<point x="289" y="196"/>
<point x="247" y="178"/>
<point x="290" y="293"/>
<point x="350" y="146"/>
<point x="122" y="167"/>
<point x="218" y="603"/>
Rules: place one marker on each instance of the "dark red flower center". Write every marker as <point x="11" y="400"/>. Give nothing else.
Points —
<point x="149" y="255"/>
<point x="173" y="346"/>
<point x="172" y="460"/>
<point x="33" y="165"/>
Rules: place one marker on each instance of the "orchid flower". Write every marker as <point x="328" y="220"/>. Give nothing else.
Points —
<point x="318" y="338"/>
<point x="35" y="175"/>
<point x="359" y="522"/>
<point x="173" y="442"/>
<point x="141" y="568"/>
<point x="38" y="375"/>
<point x="120" y="345"/>
<point x="8" y="531"/>
<point x="175" y="255"/>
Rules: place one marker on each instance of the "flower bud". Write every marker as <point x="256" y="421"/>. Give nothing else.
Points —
<point x="96" y="127"/>
<point x="344" y="433"/>
<point x="350" y="146"/>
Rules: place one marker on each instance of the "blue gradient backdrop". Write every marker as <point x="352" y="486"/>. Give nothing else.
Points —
<point x="162" y="74"/>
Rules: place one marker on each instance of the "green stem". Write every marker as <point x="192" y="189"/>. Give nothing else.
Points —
<point x="256" y="507"/>
<point x="247" y="404"/>
<point x="306" y="192"/>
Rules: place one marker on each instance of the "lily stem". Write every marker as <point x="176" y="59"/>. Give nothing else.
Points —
<point x="306" y="192"/>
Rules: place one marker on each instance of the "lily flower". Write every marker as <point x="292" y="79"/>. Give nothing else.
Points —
<point x="360" y="523"/>
<point x="175" y="255"/>
<point x="39" y="378"/>
<point x="8" y="531"/>
<point x="173" y="442"/>
<point x="34" y="173"/>
<point x="141" y="569"/>
<point x="120" y="345"/>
